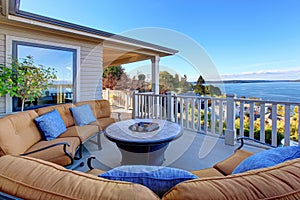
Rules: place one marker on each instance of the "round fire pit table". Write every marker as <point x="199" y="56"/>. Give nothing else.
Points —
<point x="143" y="141"/>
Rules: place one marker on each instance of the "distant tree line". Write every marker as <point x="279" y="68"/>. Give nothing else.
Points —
<point x="115" y="77"/>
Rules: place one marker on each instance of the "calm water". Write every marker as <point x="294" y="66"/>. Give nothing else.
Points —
<point x="277" y="91"/>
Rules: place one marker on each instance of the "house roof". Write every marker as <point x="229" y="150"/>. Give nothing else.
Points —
<point x="14" y="9"/>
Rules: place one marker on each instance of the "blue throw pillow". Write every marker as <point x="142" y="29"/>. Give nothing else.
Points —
<point x="51" y="125"/>
<point x="268" y="158"/>
<point x="157" y="178"/>
<point x="83" y="115"/>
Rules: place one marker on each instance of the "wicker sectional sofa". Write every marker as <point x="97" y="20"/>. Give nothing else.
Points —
<point x="19" y="134"/>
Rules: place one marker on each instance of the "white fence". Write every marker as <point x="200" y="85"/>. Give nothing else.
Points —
<point x="257" y="119"/>
<point x="120" y="98"/>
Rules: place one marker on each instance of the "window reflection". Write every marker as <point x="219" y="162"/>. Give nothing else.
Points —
<point x="62" y="59"/>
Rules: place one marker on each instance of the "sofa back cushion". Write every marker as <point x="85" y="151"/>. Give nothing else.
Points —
<point x="64" y="111"/>
<point x="30" y="178"/>
<point x="18" y="133"/>
<point x="278" y="182"/>
<point x="101" y="108"/>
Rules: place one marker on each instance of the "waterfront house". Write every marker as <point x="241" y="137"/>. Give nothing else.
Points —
<point x="85" y="51"/>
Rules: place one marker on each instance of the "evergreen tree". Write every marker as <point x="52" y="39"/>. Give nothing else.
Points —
<point x="199" y="88"/>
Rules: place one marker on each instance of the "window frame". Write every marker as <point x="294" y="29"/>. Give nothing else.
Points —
<point x="11" y="42"/>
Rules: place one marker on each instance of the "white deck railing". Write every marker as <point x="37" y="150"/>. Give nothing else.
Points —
<point x="120" y="98"/>
<point x="217" y="115"/>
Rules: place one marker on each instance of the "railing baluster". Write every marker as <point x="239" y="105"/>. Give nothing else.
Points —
<point x="181" y="111"/>
<point x="242" y="115"/>
<point x="152" y="107"/>
<point x="160" y="106"/>
<point x="193" y="114"/>
<point x="176" y="109"/>
<point x="213" y="116"/>
<point x="274" y="124"/>
<point x="205" y="115"/>
<point x="287" y="118"/>
<point x="165" y="107"/>
<point x="221" y="117"/>
<point x="187" y="112"/>
<point x="149" y="105"/>
<point x="262" y="122"/>
<point x="199" y="114"/>
<point x="251" y="134"/>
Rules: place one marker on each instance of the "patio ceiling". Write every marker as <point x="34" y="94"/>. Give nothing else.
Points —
<point x="112" y="57"/>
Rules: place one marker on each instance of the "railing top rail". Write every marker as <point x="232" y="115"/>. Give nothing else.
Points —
<point x="266" y="101"/>
<point x="223" y="99"/>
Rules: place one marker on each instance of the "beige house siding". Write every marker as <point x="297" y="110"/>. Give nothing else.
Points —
<point x="90" y="71"/>
<point x="2" y="58"/>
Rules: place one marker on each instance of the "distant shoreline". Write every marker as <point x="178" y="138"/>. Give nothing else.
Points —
<point x="249" y="81"/>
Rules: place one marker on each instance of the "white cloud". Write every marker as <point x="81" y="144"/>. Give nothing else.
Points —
<point x="290" y="74"/>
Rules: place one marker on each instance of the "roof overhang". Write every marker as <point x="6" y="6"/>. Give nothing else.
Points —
<point x="117" y="49"/>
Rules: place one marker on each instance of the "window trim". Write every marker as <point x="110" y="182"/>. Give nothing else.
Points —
<point x="11" y="44"/>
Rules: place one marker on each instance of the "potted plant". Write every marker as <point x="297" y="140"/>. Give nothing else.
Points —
<point x="25" y="80"/>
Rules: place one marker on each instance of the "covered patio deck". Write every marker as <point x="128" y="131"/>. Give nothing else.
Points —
<point x="192" y="151"/>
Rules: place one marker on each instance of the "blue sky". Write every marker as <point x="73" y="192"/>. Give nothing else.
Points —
<point x="245" y="39"/>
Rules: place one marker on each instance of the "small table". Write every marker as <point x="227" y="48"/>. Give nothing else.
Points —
<point x="142" y="147"/>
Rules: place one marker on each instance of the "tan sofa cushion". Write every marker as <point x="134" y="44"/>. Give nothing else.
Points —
<point x="83" y="132"/>
<point x="209" y="172"/>
<point x="64" y="111"/>
<point x="95" y="172"/>
<point x="229" y="164"/>
<point x="101" y="108"/>
<point x="18" y="133"/>
<point x="30" y="178"/>
<point x="279" y="182"/>
<point x="55" y="154"/>
<point x="102" y="123"/>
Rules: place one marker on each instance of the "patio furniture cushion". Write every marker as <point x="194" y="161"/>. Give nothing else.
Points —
<point x="277" y="182"/>
<point x="102" y="123"/>
<point x="64" y="111"/>
<point x="18" y="133"/>
<point x="157" y="178"/>
<point x="50" y="124"/>
<point x="95" y="172"/>
<point x="229" y="164"/>
<point x="209" y="172"/>
<point x="101" y="108"/>
<point x="268" y="158"/>
<point x="30" y="178"/>
<point x="55" y="154"/>
<point x="83" y="115"/>
<point x="83" y="132"/>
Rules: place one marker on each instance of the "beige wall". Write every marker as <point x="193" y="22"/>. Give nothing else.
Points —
<point x="2" y="58"/>
<point x="90" y="83"/>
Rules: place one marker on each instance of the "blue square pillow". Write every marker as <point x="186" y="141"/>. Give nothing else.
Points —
<point x="157" y="178"/>
<point x="51" y="125"/>
<point x="268" y="158"/>
<point x="83" y="115"/>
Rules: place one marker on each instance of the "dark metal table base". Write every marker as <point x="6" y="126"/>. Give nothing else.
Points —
<point x="142" y="154"/>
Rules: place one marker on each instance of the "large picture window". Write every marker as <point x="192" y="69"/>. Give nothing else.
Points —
<point x="62" y="59"/>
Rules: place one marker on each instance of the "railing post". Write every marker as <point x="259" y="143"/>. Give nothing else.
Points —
<point x="134" y="104"/>
<point x="170" y="106"/>
<point x="127" y="99"/>
<point x="107" y="95"/>
<point x="230" y="132"/>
